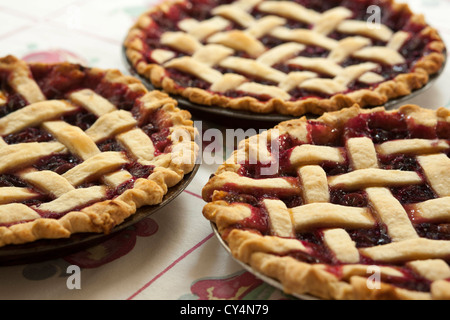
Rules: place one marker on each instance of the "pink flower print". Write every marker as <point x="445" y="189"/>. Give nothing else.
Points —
<point x="234" y="287"/>
<point x="53" y="56"/>
<point x="115" y="247"/>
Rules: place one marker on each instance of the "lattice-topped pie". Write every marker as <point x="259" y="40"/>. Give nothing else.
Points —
<point x="82" y="148"/>
<point x="352" y="205"/>
<point x="289" y="57"/>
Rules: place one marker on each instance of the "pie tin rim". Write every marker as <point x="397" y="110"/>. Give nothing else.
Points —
<point x="48" y="249"/>
<point x="273" y="282"/>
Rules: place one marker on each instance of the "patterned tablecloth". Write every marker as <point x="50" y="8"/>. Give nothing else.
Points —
<point x="172" y="254"/>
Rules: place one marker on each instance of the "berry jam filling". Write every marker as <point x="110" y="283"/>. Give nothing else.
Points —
<point x="317" y="250"/>
<point x="56" y="81"/>
<point x="110" y="145"/>
<point x="9" y="180"/>
<point x="378" y="126"/>
<point x="334" y="169"/>
<point x="59" y="163"/>
<point x="413" y="193"/>
<point x="399" y="162"/>
<point x="80" y="118"/>
<point x="59" y="80"/>
<point x="350" y="199"/>
<point x="321" y="134"/>
<point x="433" y="231"/>
<point x="365" y="238"/>
<point x="160" y="141"/>
<point x="234" y="197"/>
<point x="443" y="130"/>
<point x="28" y="135"/>
<point x="15" y="102"/>
<point x="138" y="171"/>
<point x="413" y="281"/>
<point x="413" y="49"/>
<point x="118" y="94"/>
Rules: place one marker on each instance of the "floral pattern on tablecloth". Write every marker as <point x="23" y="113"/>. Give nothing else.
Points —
<point x="242" y="285"/>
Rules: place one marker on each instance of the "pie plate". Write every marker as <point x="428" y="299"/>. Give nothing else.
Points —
<point x="274" y="283"/>
<point x="42" y="250"/>
<point x="244" y="118"/>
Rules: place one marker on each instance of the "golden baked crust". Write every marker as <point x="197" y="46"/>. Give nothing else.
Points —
<point x="288" y="226"/>
<point x="112" y="190"/>
<point x="377" y="94"/>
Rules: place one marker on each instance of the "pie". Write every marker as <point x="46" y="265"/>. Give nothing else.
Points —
<point x="286" y="57"/>
<point x="352" y="205"/>
<point x="81" y="149"/>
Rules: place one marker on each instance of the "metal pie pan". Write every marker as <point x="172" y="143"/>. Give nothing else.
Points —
<point x="273" y="282"/>
<point x="47" y="249"/>
<point x="246" y="118"/>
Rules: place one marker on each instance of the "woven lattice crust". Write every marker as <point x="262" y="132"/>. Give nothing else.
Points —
<point x="119" y="168"/>
<point x="291" y="226"/>
<point x="331" y="93"/>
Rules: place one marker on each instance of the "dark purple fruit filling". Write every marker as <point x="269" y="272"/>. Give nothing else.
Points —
<point x="413" y="193"/>
<point x="160" y="141"/>
<point x="347" y="198"/>
<point x="59" y="163"/>
<point x="317" y="250"/>
<point x="414" y="281"/>
<point x="110" y="145"/>
<point x="234" y="197"/>
<point x="443" y="130"/>
<point x="433" y="231"/>
<point x="56" y="81"/>
<point x="186" y="80"/>
<point x="15" y="102"/>
<point x="10" y="180"/>
<point x="28" y="135"/>
<point x="334" y="169"/>
<point x="80" y="118"/>
<point x="118" y="94"/>
<point x="378" y="126"/>
<point x="138" y="171"/>
<point x="399" y="162"/>
<point x="324" y="135"/>
<point x="258" y="220"/>
<point x="375" y="236"/>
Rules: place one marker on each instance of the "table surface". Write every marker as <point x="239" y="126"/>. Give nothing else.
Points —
<point x="172" y="254"/>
